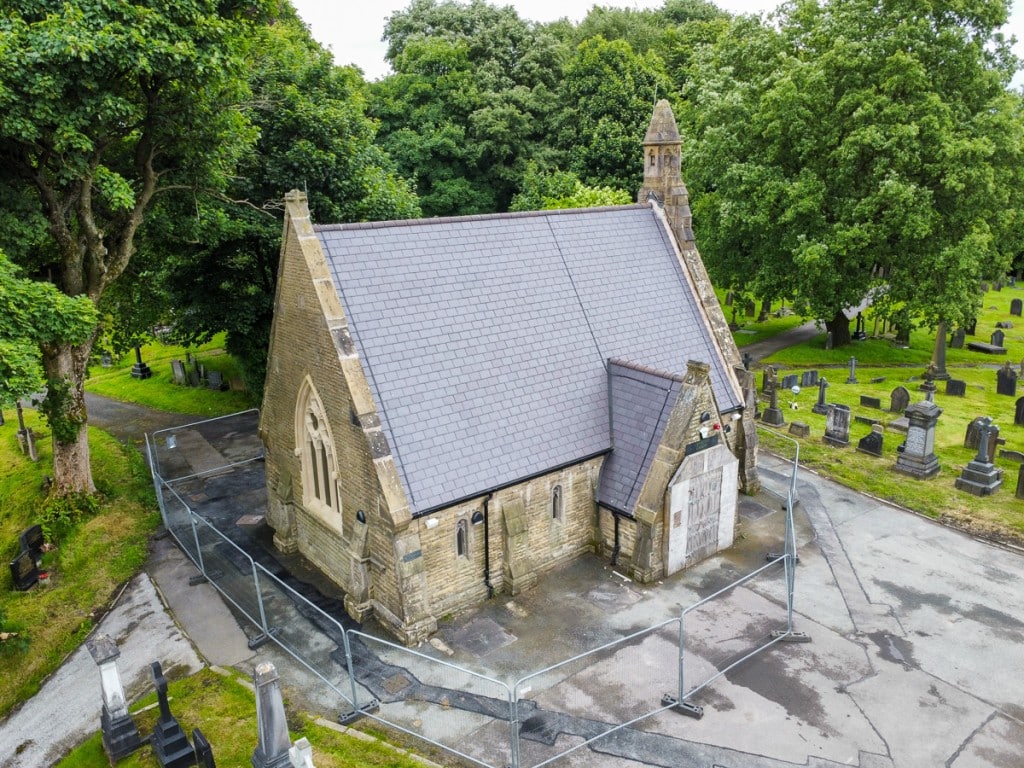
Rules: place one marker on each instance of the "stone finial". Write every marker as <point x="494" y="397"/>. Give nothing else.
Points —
<point x="696" y="372"/>
<point x="295" y="196"/>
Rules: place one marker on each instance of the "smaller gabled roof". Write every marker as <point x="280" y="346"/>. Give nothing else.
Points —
<point x="640" y="402"/>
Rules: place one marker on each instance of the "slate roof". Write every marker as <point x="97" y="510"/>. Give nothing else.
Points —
<point x="485" y="339"/>
<point x="641" y="400"/>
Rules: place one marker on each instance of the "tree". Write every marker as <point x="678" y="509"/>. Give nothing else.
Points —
<point x="561" y="189"/>
<point x="34" y="313"/>
<point x="220" y="270"/>
<point x="862" y="147"/>
<point x="102" y="106"/>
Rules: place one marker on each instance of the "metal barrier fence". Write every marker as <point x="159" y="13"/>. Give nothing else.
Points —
<point x="512" y="723"/>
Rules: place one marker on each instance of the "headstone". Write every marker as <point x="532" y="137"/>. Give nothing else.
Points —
<point x="800" y="429"/>
<point x="31" y="540"/>
<point x="821" y="407"/>
<point x="878" y="380"/>
<point x="916" y="457"/>
<point x="939" y="354"/>
<point x="274" y="742"/>
<point x="899" y="399"/>
<point x="859" y="334"/>
<point x="204" y="752"/>
<point x="772" y="415"/>
<point x="140" y="370"/>
<point x="866" y="420"/>
<point x="106" y="360"/>
<point x="749" y="309"/>
<point x="767" y="378"/>
<point x="872" y="442"/>
<point x="901" y="425"/>
<point x="24" y="572"/>
<point x="829" y="343"/>
<point x="997" y="338"/>
<point x="169" y="742"/>
<point x="1020" y="371"/>
<point x="747" y="360"/>
<point x="1007" y="324"/>
<point x="215" y="380"/>
<point x="972" y="327"/>
<point x="790" y="381"/>
<point x="729" y="297"/>
<point x="119" y="733"/>
<point x="956" y="387"/>
<point x="870" y="402"/>
<point x="852" y="378"/>
<point x="1018" y="416"/>
<point x="984" y="287"/>
<point x="837" y="425"/>
<point x="1006" y="381"/>
<point x="1015" y="307"/>
<point x="179" y="373"/>
<point x="997" y="285"/>
<point x="956" y="341"/>
<point x="1020" y="483"/>
<point x="1011" y="455"/>
<point x="810" y="378"/>
<point x="981" y="477"/>
<point x="928" y="385"/>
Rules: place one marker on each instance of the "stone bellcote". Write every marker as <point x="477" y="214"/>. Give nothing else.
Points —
<point x="663" y="179"/>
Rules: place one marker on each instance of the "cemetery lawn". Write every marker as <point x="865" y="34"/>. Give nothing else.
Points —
<point x="160" y="391"/>
<point x="93" y="559"/>
<point x="999" y="516"/>
<point x="225" y="711"/>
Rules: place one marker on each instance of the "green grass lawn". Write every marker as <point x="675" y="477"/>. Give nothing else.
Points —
<point x="1000" y="516"/>
<point x="161" y="392"/>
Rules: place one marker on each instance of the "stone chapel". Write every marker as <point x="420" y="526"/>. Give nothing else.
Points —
<point x="456" y="406"/>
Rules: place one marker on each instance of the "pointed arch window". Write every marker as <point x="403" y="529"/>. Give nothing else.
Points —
<point x="462" y="539"/>
<point x="556" y="503"/>
<point x="315" y="447"/>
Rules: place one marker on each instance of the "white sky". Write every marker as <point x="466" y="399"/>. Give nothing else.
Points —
<point x="352" y="29"/>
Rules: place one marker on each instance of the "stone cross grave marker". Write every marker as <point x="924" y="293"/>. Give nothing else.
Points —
<point x="821" y="407"/>
<point x="169" y="742"/>
<point x="981" y="477"/>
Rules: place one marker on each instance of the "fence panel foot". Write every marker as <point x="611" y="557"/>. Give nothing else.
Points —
<point x="347" y="718"/>
<point x="790" y="637"/>
<point x="682" y="707"/>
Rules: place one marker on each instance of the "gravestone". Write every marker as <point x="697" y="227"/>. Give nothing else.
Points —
<point x="860" y="334"/>
<point x="24" y="572"/>
<point x="119" y="733"/>
<point x="1020" y="483"/>
<point x="179" y="373"/>
<point x="972" y="327"/>
<point x="1018" y="416"/>
<point x="274" y="741"/>
<point x="984" y="288"/>
<point x="1006" y="381"/>
<point x="31" y="540"/>
<point x="729" y="297"/>
<point x="837" y="425"/>
<point x="956" y="341"/>
<point x="938" y="363"/>
<point x="1007" y="324"/>
<point x="215" y="380"/>
<point x="852" y="378"/>
<point x="169" y="742"/>
<point x="870" y="402"/>
<point x="204" y="752"/>
<point x="829" y="343"/>
<point x="790" y="381"/>
<point x="772" y="415"/>
<point x="997" y="338"/>
<point x="821" y="407"/>
<point x="1015" y="307"/>
<point x="749" y="309"/>
<point x="799" y="429"/>
<point x="747" y="360"/>
<point x="767" y="377"/>
<point x="956" y="387"/>
<point x="899" y="399"/>
<point x="916" y="457"/>
<point x="301" y="754"/>
<point x="878" y="380"/>
<point x="972" y="436"/>
<point x="810" y="378"/>
<point x="981" y="477"/>
<point x="928" y="385"/>
<point x="872" y="442"/>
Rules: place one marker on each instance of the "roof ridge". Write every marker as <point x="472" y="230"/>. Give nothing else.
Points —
<point x="641" y="368"/>
<point x="476" y="217"/>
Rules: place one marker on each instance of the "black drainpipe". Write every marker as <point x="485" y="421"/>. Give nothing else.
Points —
<point x="487" y="547"/>
<point x="615" y="549"/>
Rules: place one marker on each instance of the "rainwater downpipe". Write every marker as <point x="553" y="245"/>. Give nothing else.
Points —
<point x="487" y="546"/>
<point x="615" y="548"/>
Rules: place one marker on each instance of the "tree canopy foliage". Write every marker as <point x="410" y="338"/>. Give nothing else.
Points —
<point x="857" y="147"/>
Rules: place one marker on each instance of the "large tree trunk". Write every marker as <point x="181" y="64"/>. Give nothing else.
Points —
<point x="839" y="327"/>
<point x="72" y="472"/>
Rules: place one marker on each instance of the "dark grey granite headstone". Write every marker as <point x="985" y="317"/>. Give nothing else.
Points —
<point x="1018" y="416"/>
<point x="809" y="379"/>
<point x="870" y="402"/>
<point x="956" y="387"/>
<point x="1007" y="324"/>
<point x="981" y="477"/>
<point x="872" y="442"/>
<point x="204" y="752"/>
<point x="1015" y="307"/>
<point x="24" y="573"/>
<point x="32" y="541"/>
<point x="899" y="399"/>
<point x="972" y="327"/>
<point x="956" y="341"/>
<point x="1006" y="381"/>
<point x="1020" y="483"/>
<point x="837" y="425"/>
<point x="790" y="381"/>
<point x="997" y="338"/>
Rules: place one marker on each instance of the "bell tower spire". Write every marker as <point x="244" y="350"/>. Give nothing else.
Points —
<point x="663" y="179"/>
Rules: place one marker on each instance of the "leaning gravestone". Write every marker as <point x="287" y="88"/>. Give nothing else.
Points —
<point x="956" y="387"/>
<point x="899" y="399"/>
<point x="1016" y="306"/>
<point x="956" y="341"/>
<point x="837" y="425"/>
<point x="981" y="477"/>
<point x="917" y="454"/>
<point x="1006" y="381"/>
<point x="872" y="442"/>
<point x="1018" y="416"/>
<point x="179" y="373"/>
